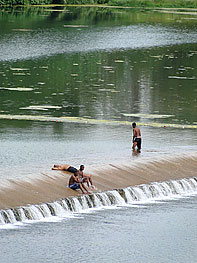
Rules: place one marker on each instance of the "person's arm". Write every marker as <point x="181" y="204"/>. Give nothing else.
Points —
<point x="76" y="178"/>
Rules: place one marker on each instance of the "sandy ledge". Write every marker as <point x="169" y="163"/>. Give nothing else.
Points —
<point x="53" y="186"/>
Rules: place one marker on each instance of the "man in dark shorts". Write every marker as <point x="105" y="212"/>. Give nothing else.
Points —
<point x="136" y="137"/>
<point x="74" y="183"/>
<point x="64" y="167"/>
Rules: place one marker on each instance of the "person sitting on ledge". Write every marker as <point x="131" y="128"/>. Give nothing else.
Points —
<point x="85" y="178"/>
<point x="65" y="167"/>
<point x="74" y="183"/>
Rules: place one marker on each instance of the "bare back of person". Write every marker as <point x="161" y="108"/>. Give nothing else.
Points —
<point x="72" y="180"/>
<point x="136" y="132"/>
<point x="63" y="167"/>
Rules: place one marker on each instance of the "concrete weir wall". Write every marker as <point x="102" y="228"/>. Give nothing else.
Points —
<point x="53" y="186"/>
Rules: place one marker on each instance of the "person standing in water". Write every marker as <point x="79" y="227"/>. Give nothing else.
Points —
<point x="136" y="137"/>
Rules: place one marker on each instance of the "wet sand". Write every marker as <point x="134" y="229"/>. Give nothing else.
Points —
<point x="53" y="186"/>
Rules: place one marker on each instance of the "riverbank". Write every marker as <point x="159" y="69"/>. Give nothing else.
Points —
<point x="53" y="186"/>
<point x="107" y="3"/>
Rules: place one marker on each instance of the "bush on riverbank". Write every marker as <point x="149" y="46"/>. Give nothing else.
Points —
<point x="129" y="3"/>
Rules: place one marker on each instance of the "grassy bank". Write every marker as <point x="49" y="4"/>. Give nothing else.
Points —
<point x="126" y="3"/>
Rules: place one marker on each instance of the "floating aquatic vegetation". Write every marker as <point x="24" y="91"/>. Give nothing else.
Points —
<point x="159" y="56"/>
<point x="115" y="91"/>
<point x="74" y="75"/>
<point x="104" y="89"/>
<point x="176" y="12"/>
<point x="28" y="108"/>
<point x="177" y="77"/>
<point x="75" y="26"/>
<point x="147" y="116"/>
<point x="22" y="29"/>
<point x="19" y="69"/>
<point x="19" y="74"/>
<point x="55" y="10"/>
<point x="108" y="68"/>
<point x="40" y="107"/>
<point x="189" y="18"/>
<point x="168" y="67"/>
<point x="44" y="67"/>
<point x="189" y="68"/>
<point x="193" y="51"/>
<point x="93" y="121"/>
<point x="19" y="89"/>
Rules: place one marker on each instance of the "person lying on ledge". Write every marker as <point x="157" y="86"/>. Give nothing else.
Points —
<point x="65" y="167"/>
<point x="74" y="183"/>
<point x="85" y="178"/>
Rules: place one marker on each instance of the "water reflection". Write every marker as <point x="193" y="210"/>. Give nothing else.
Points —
<point x="104" y="85"/>
<point x="107" y="65"/>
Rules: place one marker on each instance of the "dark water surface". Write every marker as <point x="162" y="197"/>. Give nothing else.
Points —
<point x="104" y="64"/>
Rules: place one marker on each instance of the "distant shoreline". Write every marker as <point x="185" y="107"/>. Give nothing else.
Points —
<point x="142" y="4"/>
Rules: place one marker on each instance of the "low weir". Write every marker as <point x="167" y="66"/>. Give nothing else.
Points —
<point x="68" y="206"/>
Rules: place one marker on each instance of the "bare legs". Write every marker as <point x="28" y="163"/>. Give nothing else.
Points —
<point x="87" y="179"/>
<point x="82" y="187"/>
<point x="133" y="147"/>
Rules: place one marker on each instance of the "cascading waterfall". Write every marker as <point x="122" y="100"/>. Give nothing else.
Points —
<point x="119" y="197"/>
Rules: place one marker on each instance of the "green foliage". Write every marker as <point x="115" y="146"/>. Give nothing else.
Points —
<point x="130" y="3"/>
<point x="45" y="2"/>
<point x="25" y="2"/>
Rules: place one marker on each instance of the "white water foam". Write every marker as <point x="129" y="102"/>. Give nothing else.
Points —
<point x="71" y="207"/>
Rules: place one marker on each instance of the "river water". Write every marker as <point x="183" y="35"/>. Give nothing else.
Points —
<point x="106" y="65"/>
